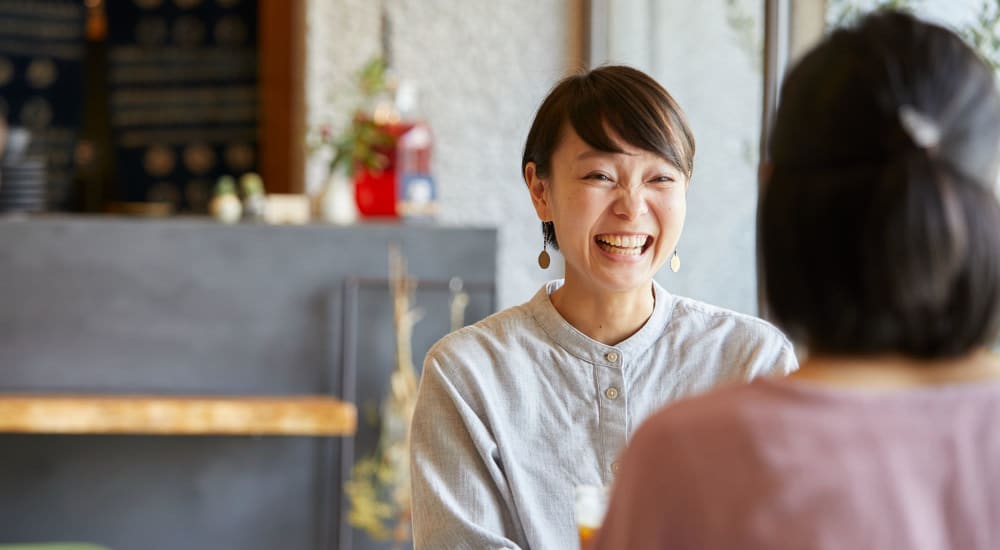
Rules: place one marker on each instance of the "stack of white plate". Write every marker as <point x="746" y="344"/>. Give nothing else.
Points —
<point x="22" y="185"/>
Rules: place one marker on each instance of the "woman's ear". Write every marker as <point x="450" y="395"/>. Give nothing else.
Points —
<point x="538" y="187"/>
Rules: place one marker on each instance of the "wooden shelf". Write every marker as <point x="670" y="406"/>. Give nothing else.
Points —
<point x="176" y="415"/>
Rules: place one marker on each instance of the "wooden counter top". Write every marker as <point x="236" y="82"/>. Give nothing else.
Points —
<point x="176" y="415"/>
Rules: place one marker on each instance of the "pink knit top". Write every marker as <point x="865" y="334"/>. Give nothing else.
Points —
<point x="786" y="464"/>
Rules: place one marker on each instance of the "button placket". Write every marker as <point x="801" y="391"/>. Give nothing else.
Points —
<point x="610" y="393"/>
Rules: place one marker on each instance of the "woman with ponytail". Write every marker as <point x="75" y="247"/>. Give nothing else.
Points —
<point x="879" y="236"/>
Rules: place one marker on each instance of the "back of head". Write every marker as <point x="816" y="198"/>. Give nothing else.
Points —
<point x="879" y="228"/>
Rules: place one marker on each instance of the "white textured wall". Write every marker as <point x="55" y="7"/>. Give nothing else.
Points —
<point x="482" y="68"/>
<point x="713" y="71"/>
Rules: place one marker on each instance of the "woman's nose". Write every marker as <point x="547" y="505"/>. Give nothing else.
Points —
<point x="631" y="202"/>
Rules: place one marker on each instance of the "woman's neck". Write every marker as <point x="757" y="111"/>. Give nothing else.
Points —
<point x="608" y="317"/>
<point x="897" y="371"/>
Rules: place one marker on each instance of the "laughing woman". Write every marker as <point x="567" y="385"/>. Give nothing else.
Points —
<point x="517" y="410"/>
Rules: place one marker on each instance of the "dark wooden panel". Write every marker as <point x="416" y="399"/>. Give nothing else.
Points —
<point x="282" y="91"/>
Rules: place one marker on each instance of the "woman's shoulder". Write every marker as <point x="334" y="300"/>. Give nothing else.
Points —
<point x="709" y="313"/>
<point x="707" y="316"/>
<point x="508" y="329"/>
<point x="488" y="354"/>
<point x="502" y="333"/>
<point x="741" y="339"/>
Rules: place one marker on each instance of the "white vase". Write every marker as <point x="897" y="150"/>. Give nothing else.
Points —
<point x="336" y="204"/>
<point x="226" y="208"/>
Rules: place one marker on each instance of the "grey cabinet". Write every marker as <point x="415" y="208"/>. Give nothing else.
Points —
<point x="187" y="306"/>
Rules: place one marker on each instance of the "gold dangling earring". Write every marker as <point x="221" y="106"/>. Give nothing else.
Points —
<point x="675" y="262"/>
<point x="543" y="256"/>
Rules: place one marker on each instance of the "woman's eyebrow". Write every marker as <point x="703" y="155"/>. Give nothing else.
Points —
<point x="597" y="153"/>
<point x="591" y="153"/>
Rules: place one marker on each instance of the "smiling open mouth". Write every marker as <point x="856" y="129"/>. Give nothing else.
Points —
<point x="626" y="245"/>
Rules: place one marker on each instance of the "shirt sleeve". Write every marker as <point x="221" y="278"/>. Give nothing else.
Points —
<point x="773" y="356"/>
<point x="788" y="362"/>
<point x="461" y="498"/>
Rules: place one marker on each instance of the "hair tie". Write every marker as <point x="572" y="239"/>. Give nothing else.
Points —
<point x="922" y="130"/>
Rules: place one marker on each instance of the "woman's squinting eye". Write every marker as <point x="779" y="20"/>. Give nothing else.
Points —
<point x="665" y="178"/>
<point x="597" y="176"/>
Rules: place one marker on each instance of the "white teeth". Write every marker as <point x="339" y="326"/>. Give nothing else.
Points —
<point x="623" y="241"/>
<point x="626" y="245"/>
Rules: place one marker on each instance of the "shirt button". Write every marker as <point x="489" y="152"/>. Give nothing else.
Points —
<point x="616" y="466"/>
<point x="611" y="393"/>
<point x="611" y="356"/>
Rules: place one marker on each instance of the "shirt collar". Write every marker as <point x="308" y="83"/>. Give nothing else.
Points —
<point x="579" y="344"/>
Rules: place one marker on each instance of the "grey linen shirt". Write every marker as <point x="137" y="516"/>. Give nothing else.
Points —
<point x="515" y="411"/>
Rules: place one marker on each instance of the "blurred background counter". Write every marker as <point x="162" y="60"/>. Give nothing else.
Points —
<point x="186" y="306"/>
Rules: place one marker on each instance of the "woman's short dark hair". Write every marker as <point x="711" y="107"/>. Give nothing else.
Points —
<point x="621" y="99"/>
<point x="879" y="229"/>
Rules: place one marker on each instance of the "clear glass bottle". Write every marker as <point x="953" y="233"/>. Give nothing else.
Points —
<point x="416" y="192"/>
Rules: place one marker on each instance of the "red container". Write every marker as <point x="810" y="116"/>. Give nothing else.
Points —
<point x="375" y="191"/>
